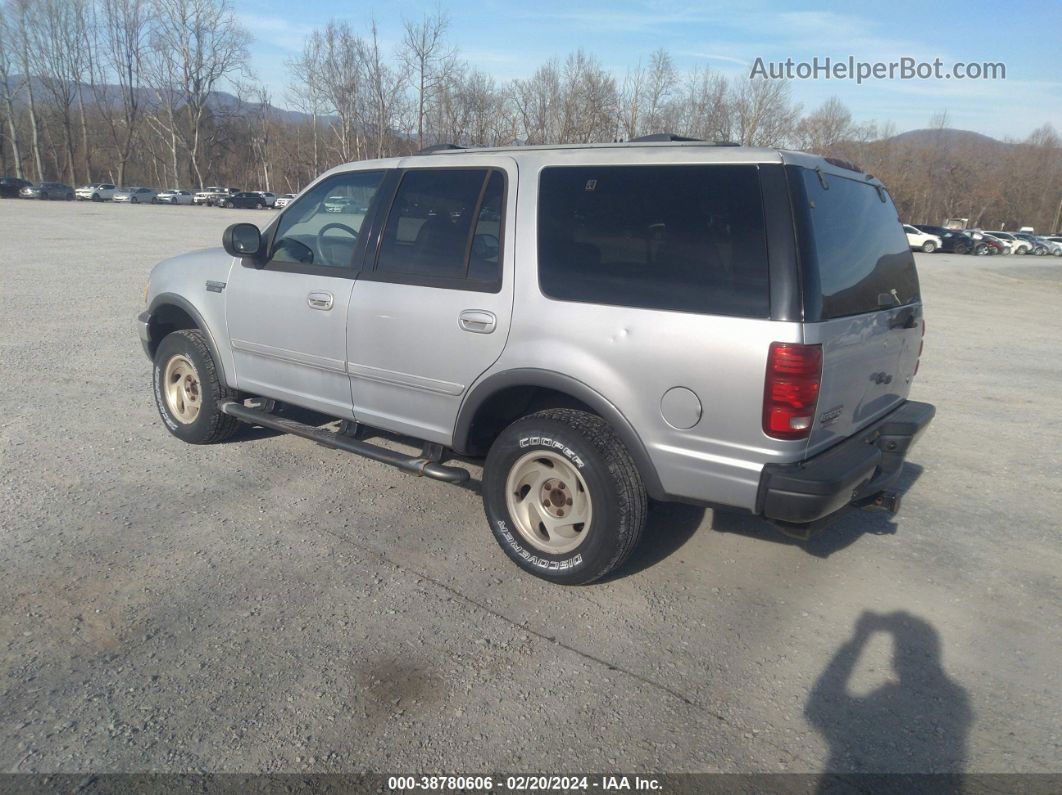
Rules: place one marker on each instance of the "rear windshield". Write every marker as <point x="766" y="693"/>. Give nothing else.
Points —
<point x="857" y="258"/>
<point x="686" y="238"/>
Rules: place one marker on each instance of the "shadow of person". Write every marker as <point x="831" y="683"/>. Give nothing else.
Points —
<point x="916" y="724"/>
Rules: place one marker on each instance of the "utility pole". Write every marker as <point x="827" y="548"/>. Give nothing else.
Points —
<point x="1056" y="229"/>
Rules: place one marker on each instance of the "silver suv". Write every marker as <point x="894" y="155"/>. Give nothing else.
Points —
<point x="604" y="324"/>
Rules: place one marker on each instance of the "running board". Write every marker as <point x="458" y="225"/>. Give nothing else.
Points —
<point x="421" y="466"/>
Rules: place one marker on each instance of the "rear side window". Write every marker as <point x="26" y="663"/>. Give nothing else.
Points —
<point x="436" y="227"/>
<point x="685" y="238"/>
<point x="855" y="249"/>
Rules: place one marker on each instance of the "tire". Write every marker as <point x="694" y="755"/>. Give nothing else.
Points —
<point x="929" y="247"/>
<point x="181" y="355"/>
<point x="44" y="197"/>
<point x="173" y="200"/>
<point x="591" y="466"/>
<point x="96" y="197"/>
<point x="134" y="200"/>
<point x="259" y="206"/>
<point x="981" y="250"/>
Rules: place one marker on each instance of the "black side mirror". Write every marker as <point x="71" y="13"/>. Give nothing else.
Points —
<point x="242" y="240"/>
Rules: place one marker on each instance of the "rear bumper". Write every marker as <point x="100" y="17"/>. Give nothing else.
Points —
<point x="857" y="468"/>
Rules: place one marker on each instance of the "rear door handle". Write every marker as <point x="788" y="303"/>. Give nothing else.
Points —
<point x="321" y="301"/>
<point x="478" y="321"/>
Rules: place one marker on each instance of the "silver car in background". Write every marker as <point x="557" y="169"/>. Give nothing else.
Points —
<point x="174" y="196"/>
<point x="601" y="324"/>
<point x="136" y="195"/>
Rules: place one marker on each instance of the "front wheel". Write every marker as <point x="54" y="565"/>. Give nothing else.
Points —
<point x="188" y="391"/>
<point x="563" y="496"/>
<point x="929" y="247"/>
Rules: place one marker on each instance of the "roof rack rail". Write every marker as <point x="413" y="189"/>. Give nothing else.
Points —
<point x="427" y="150"/>
<point x="657" y="137"/>
<point x="725" y="143"/>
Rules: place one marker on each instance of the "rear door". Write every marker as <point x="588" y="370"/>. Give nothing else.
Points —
<point x="432" y="312"/>
<point x="862" y="298"/>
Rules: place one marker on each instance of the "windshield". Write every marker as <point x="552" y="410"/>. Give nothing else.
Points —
<point x="857" y="255"/>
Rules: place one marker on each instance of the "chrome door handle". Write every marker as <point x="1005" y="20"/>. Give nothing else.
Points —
<point x="319" y="301"/>
<point x="478" y="321"/>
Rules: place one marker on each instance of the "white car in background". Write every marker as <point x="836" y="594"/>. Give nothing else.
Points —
<point x="283" y="200"/>
<point x="1017" y="245"/>
<point x="98" y="192"/>
<point x="174" y="196"/>
<point x="922" y="241"/>
<point x="137" y="195"/>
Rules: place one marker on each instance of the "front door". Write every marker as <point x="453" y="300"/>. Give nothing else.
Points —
<point x="287" y="318"/>
<point x="431" y="314"/>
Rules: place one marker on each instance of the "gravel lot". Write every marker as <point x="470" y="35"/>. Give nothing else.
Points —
<point x="270" y="605"/>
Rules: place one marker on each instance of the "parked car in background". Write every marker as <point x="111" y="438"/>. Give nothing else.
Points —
<point x="1054" y="247"/>
<point x="48" y="190"/>
<point x="952" y="241"/>
<point x="1038" y="247"/>
<point x="283" y="200"/>
<point x="342" y="204"/>
<point x="215" y="196"/>
<point x="11" y="186"/>
<point x="1056" y="239"/>
<point x="205" y="197"/>
<point x="270" y="198"/>
<point x="137" y="195"/>
<point x="1005" y="245"/>
<point x="986" y="244"/>
<point x="174" y="196"/>
<point x="923" y="241"/>
<point x="98" y="192"/>
<point x="247" y="200"/>
<point x="1017" y="245"/>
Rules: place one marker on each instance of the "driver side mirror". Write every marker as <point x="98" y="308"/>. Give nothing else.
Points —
<point x="242" y="240"/>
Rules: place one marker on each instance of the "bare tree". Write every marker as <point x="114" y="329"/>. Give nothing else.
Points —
<point x="763" y="112"/>
<point x="9" y="45"/>
<point x="428" y="60"/>
<point x="332" y="64"/>
<point x="384" y="84"/>
<point x="196" y="45"/>
<point x="702" y="108"/>
<point x="23" y="21"/>
<point x="122" y="36"/>
<point x="824" y="128"/>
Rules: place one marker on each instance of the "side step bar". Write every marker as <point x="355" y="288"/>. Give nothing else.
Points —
<point x="424" y="467"/>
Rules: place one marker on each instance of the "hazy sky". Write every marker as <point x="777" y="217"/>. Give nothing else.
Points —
<point x="510" y="40"/>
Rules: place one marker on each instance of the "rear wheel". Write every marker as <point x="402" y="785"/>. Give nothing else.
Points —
<point x="189" y="392"/>
<point x="981" y="250"/>
<point x="929" y="247"/>
<point x="563" y="496"/>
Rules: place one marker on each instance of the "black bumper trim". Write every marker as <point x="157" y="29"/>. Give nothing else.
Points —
<point x="855" y="468"/>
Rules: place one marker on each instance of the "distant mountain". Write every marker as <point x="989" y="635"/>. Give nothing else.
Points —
<point x="950" y="136"/>
<point x="219" y="101"/>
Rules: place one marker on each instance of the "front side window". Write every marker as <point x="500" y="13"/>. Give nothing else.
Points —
<point x="685" y="238"/>
<point x="322" y="226"/>
<point x="445" y="224"/>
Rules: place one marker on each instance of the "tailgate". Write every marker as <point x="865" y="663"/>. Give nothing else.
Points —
<point x="868" y="362"/>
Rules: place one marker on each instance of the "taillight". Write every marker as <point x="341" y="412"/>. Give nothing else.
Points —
<point x="794" y="373"/>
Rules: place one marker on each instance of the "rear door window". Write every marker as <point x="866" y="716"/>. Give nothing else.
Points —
<point x="685" y="238"/>
<point x="856" y="253"/>
<point x="444" y="229"/>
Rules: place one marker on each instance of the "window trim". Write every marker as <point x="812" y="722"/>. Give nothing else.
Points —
<point x="756" y="167"/>
<point x="374" y="274"/>
<point x="349" y="271"/>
